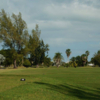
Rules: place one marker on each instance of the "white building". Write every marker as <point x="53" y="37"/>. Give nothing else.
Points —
<point x="90" y="64"/>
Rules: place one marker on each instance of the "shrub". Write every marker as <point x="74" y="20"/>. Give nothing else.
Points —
<point x="67" y="65"/>
<point x="75" y="64"/>
<point x="27" y="63"/>
<point x="63" y="64"/>
<point x="72" y="64"/>
<point x="47" y="62"/>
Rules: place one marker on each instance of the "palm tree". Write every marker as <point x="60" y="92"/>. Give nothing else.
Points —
<point x="87" y="53"/>
<point x="58" y="58"/>
<point x="68" y="52"/>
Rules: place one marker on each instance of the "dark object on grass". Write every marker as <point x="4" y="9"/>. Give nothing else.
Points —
<point x="22" y="79"/>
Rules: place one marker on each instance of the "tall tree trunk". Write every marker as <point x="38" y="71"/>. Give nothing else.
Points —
<point x="68" y="59"/>
<point x="84" y="62"/>
<point x="15" y="63"/>
<point x="57" y="63"/>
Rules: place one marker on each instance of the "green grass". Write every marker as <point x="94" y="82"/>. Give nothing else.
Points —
<point x="50" y="84"/>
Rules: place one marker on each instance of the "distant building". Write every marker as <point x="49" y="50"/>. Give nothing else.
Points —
<point x="67" y="62"/>
<point x="90" y="64"/>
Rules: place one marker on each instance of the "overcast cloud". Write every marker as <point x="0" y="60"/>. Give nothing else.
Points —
<point x="64" y="24"/>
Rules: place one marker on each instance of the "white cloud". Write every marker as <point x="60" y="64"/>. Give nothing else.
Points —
<point x="58" y="42"/>
<point x="74" y="11"/>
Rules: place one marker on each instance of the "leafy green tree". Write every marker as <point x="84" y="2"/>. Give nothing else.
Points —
<point x="40" y="53"/>
<point x="43" y="49"/>
<point x="96" y="58"/>
<point x="79" y="61"/>
<point x="37" y="56"/>
<point x="14" y="34"/>
<point x="58" y="58"/>
<point x="47" y="61"/>
<point x="34" y="39"/>
<point x="8" y="55"/>
<point x="27" y="63"/>
<point x="37" y="47"/>
<point x="34" y="42"/>
<point x="68" y="52"/>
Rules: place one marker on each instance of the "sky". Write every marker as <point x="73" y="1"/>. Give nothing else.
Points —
<point x="64" y="24"/>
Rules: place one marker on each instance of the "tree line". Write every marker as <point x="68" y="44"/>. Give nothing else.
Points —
<point x="80" y="60"/>
<point x="23" y="48"/>
<point x="20" y="47"/>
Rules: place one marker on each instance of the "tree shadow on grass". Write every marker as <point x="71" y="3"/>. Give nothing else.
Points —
<point x="81" y="93"/>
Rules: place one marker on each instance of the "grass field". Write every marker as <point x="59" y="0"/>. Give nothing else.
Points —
<point x="50" y="84"/>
